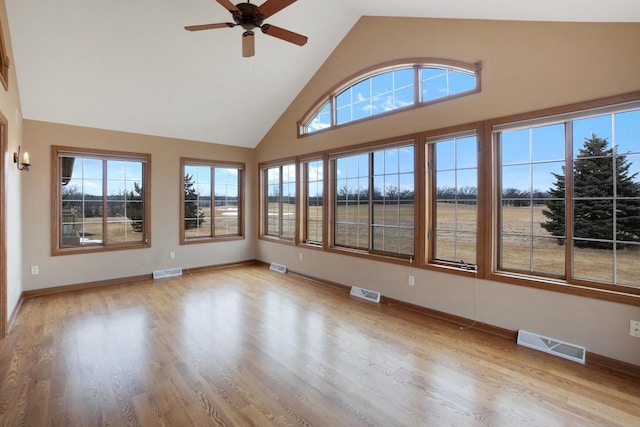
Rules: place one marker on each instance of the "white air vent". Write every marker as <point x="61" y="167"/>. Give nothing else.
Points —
<point x="160" y="274"/>
<point x="278" y="267"/>
<point x="552" y="346"/>
<point x="365" y="294"/>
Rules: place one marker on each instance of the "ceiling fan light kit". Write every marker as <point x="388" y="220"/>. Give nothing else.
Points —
<point x="249" y="16"/>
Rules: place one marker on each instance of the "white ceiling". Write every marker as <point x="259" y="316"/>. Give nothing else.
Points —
<point x="129" y="65"/>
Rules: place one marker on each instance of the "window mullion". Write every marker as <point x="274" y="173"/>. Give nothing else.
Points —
<point x="417" y="87"/>
<point x="212" y="200"/>
<point x="568" y="200"/>
<point x="615" y="198"/>
<point x="280" y="203"/>
<point x="370" y="201"/>
<point x="303" y="221"/>
<point x="531" y="211"/>
<point x="105" y="206"/>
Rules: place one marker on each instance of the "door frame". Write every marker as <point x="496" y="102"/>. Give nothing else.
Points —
<point x="4" y="165"/>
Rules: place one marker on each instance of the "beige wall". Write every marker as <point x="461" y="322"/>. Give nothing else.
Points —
<point x="165" y="193"/>
<point x="526" y="66"/>
<point x="10" y="109"/>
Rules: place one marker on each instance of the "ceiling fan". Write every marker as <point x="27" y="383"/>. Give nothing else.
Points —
<point x="250" y="16"/>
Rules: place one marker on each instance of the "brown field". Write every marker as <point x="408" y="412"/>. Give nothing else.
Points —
<point x="288" y="219"/>
<point x="520" y="252"/>
<point x="119" y="229"/>
<point x="225" y="223"/>
<point x="542" y="253"/>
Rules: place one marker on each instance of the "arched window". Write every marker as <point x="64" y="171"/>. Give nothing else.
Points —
<point x="391" y="87"/>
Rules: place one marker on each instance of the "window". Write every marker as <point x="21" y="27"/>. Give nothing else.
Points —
<point x="99" y="202"/>
<point x="279" y="196"/>
<point x="558" y="207"/>
<point x="441" y="82"/>
<point x="352" y="210"/>
<point x="570" y="197"/>
<point x="389" y="87"/>
<point x="375" y="95"/>
<point x="531" y="159"/>
<point x="313" y="171"/>
<point x="453" y="175"/>
<point x="374" y="207"/>
<point x="211" y="205"/>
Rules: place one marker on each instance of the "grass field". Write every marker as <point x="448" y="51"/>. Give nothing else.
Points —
<point x="119" y="229"/>
<point x="455" y="236"/>
<point x="225" y="223"/>
<point x="526" y="245"/>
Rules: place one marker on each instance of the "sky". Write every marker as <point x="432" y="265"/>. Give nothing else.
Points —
<point x="391" y="90"/>
<point x="530" y="156"/>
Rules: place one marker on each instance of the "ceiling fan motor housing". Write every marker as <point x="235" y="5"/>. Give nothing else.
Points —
<point x="248" y="16"/>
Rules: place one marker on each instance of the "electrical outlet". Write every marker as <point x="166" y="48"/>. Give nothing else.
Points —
<point x="172" y="255"/>
<point x="412" y="281"/>
<point x="634" y="328"/>
<point x="35" y="269"/>
<point x="300" y="256"/>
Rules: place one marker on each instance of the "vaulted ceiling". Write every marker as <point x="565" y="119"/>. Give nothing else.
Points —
<point x="130" y="65"/>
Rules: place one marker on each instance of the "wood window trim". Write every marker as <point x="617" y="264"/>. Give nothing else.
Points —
<point x="371" y="71"/>
<point x="608" y="292"/>
<point x="56" y="249"/>
<point x="4" y="61"/>
<point x="303" y="163"/>
<point x="4" y="152"/>
<point x="368" y="148"/>
<point x="429" y="205"/>
<point x="262" y="183"/>
<point x="241" y="180"/>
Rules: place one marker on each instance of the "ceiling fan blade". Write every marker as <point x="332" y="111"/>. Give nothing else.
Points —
<point x="228" y="5"/>
<point x="209" y="26"/>
<point x="271" y="7"/>
<point x="285" y="35"/>
<point x="248" y="44"/>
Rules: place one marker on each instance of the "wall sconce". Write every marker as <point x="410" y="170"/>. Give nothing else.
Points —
<point x="22" y="163"/>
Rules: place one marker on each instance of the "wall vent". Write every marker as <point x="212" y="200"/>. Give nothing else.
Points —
<point x="365" y="294"/>
<point x="552" y="346"/>
<point x="161" y="274"/>
<point x="278" y="267"/>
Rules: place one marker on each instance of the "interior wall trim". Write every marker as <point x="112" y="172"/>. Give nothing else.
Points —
<point x="120" y="280"/>
<point x="592" y="359"/>
<point x="35" y="293"/>
<point x="14" y="314"/>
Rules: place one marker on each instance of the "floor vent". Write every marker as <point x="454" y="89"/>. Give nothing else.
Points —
<point x="552" y="346"/>
<point x="365" y="294"/>
<point x="278" y="267"/>
<point x="161" y="274"/>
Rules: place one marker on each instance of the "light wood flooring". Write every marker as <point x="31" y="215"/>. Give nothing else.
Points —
<point x="246" y="346"/>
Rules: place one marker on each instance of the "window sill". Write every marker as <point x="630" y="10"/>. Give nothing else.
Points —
<point x="282" y="241"/>
<point x="611" y="294"/>
<point x="452" y="269"/>
<point x="312" y="246"/>
<point x="198" y="240"/>
<point x="95" y="249"/>
<point x="372" y="256"/>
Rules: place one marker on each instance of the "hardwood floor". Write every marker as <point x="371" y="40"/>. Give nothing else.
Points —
<point x="246" y="346"/>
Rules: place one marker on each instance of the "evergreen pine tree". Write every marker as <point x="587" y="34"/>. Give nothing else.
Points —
<point x="192" y="215"/>
<point x="593" y="195"/>
<point x="134" y="207"/>
<point x="555" y="211"/>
